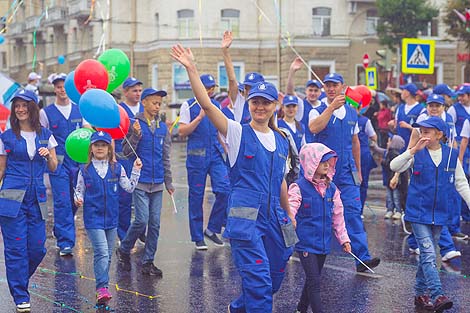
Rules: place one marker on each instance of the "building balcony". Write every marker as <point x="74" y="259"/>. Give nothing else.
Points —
<point x="56" y="16"/>
<point x="16" y="29"/>
<point x="79" y="8"/>
<point x="30" y="23"/>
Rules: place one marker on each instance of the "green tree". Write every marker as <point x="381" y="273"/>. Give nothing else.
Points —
<point x="456" y="27"/>
<point x="400" y="19"/>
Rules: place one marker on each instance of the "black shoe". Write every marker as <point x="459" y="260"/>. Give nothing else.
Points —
<point x="201" y="245"/>
<point x="216" y="240"/>
<point x="370" y="263"/>
<point x="151" y="270"/>
<point x="143" y="237"/>
<point x="124" y="260"/>
<point x="442" y="303"/>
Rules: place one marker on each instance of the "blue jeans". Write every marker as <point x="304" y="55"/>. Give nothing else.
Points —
<point x="148" y="206"/>
<point x="102" y="241"/>
<point x="427" y="276"/>
<point x="393" y="200"/>
<point x="312" y="265"/>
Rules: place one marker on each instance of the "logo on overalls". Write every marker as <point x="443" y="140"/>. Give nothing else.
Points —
<point x="115" y="188"/>
<point x="251" y="77"/>
<point x="262" y="87"/>
<point x="451" y="179"/>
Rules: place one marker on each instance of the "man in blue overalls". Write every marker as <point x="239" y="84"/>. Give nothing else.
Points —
<point x="205" y="156"/>
<point x="408" y="112"/>
<point x="62" y="118"/>
<point x="335" y="125"/>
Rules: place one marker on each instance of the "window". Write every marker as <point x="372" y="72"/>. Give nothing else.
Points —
<point x="50" y="47"/>
<point x="372" y="20"/>
<point x="75" y="39"/>
<point x="230" y="20"/>
<point x="181" y="85"/>
<point x="432" y="28"/>
<point x="321" y="18"/>
<point x="185" y="23"/>
<point x="321" y="68"/>
<point x="155" y="76"/>
<point x="4" y="60"/>
<point x="157" y="26"/>
<point x="239" y="68"/>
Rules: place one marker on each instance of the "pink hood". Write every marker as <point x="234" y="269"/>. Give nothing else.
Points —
<point x="310" y="157"/>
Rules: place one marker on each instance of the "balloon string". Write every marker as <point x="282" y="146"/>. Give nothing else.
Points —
<point x="125" y="138"/>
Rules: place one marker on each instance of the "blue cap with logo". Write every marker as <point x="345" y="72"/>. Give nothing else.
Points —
<point x="443" y="89"/>
<point x="241" y="87"/>
<point x="464" y="89"/>
<point x="313" y="82"/>
<point x="26" y="95"/>
<point x="100" y="136"/>
<point x="150" y="92"/>
<point x="265" y="90"/>
<point x="208" y="80"/>
<point x="433" y="122"/>
<point x="433" y="98"/>
<point x="334" y="78"/>
<point x="131" y="82"/>
<point x="411" y="88"/>
<point x="328" y="156"/>
<point x="252" y="79"/>
<point x="58" y="77"/>
<point x="290" y="99"/>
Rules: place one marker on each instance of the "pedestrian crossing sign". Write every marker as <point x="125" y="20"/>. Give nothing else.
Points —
<point x="417" y="56"/>
<point x="371" y="77"/>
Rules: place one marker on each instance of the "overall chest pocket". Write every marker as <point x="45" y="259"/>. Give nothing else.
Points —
<point x="249" y="157"/>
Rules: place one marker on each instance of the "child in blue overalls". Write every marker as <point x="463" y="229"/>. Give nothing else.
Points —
<point x="260" y="231"/>
<point x="435" y="170"/>
<point x="97" y="190"/>
<point x="25" y="151"/>
<point x="317" y="203"/>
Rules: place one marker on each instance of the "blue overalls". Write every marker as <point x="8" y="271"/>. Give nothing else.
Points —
<point x="125" y="198"/>
<point x="367" y="161"/>
<point x="337" y="135"/>
<point x="298" y="135"/>
<point x="23" y="211"/>
<point x="261" y="234"/>
<point x="309" y="136"/>
<point x="63" y="179"/>
<point x="228" y="113"/>
<point x="246" y="116"/>
<point x="205" y="156"/>
<point x="410" y="118"/>
<point x="462" y="115"/>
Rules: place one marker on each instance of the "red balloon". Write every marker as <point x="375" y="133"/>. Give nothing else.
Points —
<point x="90" y="74"/>
<point x="121" y="131"/>
<point x="365" y="93"/>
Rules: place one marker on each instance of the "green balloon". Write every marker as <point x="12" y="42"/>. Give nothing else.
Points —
<point x="117" y="65"/>
<point x="78" y="143"/>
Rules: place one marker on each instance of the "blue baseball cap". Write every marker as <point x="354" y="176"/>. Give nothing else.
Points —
<point x="26" y="95"/>
<point x="241" y="87"/>
<point x="208" y="80"/>
<point x="290" y="99"/>
<point x="253" y="78"/>
<point x="443" y="89"/>
<point x="334" y="78"/>
<point x="464" y="89"/>
<point x="433" y="122"/>
<point x="150" y="92"/>
<point x="328" y="156"/>
<point x="58" y="77"/>
<point x="411" y="88"/>
<point x="131" y="82"/>
<point x="313" y="82"/>
<point x="265" y="90"/>
<point x="433" y="98"/>
<point x="100" y="136"/>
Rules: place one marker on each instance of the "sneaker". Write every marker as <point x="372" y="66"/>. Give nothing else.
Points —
<point x="388" y="215"/>
<point x="201" y="245"/>
<point x="460" y="236"/>
<point x="451" y="255"/>
<point x="370" y="263"/>
<point x="424" y="302"/>
<point x="396" y="216"/>
<point x="124" y="259"/>
<point x="151" y="270"/>
<point x="442" y="303"/>
<point x="414" y="251"/>
<point x="67" y="251"/>
<point x="23" y="307"/>
<point x="216" y="240"/>
<point x="103" y="296"/>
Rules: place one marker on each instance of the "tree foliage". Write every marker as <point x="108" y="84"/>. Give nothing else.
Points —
<point x="402" y="19"/>
<point x="455" y="27"/>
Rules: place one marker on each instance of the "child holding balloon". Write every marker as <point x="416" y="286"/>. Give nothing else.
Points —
<point x="97" y="191"/>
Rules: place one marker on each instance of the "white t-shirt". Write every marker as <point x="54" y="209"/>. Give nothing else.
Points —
<point x="185" y="115"/>
<point x="465" y="129"/>
<point x="369" y="129"/>
<point x="30" y="138"/>
<point x="133" y="108"/>
<point x="300" y="108"/>
<point x="339" y="113"/>
<point x="65" y="110"/>
<point x="238" y="107"/>
<point x="234" y="138"/>
<point x="408" y="108"/>
<point x="453" y="113"/>
<point x="292" y="126"/>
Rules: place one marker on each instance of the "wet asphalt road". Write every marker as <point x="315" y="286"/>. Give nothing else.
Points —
<point x="206" y="281"/>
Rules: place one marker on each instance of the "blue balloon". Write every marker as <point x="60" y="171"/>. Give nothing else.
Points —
<point x="70" y="88"/>
<point x="61" y="59"/>
<point x="2" y="39"/>
<point x="99" y="108"/>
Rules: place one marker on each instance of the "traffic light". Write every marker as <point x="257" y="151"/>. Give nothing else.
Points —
<point x="385" y="60"/>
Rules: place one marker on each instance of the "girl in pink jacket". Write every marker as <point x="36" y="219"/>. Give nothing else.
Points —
<point x="317" y="208"/>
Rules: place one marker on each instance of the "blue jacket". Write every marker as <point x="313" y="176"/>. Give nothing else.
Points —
<point x="314" y="218"/>
<point x="101" y="201"/>
<point x="118" y="142"/>
<point x="297" y="136"/>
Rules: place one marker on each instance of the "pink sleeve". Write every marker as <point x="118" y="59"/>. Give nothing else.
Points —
<point x="338" y="220"/>
<point x="295" y="198"/>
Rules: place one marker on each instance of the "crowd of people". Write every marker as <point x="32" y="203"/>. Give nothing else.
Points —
<point x="287" y="173"/>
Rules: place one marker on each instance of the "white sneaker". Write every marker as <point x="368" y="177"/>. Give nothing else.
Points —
<point x="388" y="215"/>
<point x="414" y="251"/>
<point x="451" y="255"/>
<point x="396" y="216"/>
<point x="23" y="307"/>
